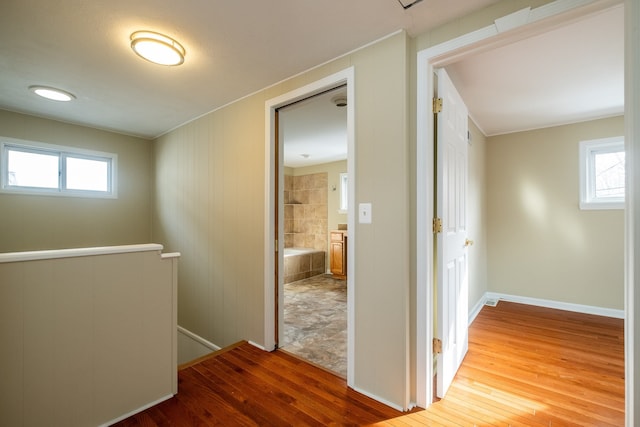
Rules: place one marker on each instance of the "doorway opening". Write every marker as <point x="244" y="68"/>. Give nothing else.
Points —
<point x="313" y="132"/>
<point x="428" y="61"/>
<point x="296" y="221"/>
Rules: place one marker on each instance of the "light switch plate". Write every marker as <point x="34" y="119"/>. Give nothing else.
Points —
<point x="364" y="213"/>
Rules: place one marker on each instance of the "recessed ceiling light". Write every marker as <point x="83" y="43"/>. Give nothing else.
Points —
<point x="339" y="100"/>
<point x="157" y="48"/>
<point x="52" y="93"/>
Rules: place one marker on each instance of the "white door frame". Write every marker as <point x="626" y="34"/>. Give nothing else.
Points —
<point x="346" y="76"/>
<point x="519" y="25"/>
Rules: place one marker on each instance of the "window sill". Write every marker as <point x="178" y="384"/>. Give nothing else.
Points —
<point x="592" y="206"/>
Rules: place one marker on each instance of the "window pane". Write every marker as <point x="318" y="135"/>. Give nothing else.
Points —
<point x="87" y="174"/>
<point x="32" y="169"/>
<point x="343" y="191"/>
<point x="609" y="174"/>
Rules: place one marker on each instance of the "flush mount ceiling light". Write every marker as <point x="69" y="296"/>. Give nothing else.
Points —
<point x="157" y="48"/>
<point x="52" y="93"/>
<point x="406" y="4"/>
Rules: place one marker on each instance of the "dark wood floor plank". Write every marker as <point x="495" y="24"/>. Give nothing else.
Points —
<point x="208" y="401"/>
<point x="326" y="385"/>
<point x="312" y="404"/>
<point x="526" y="366"/>
<point x="262" y="399"/>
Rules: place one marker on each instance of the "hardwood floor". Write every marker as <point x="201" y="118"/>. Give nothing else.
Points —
<point x="532" y="366"/>
<point x="245" y="386"/>
<point x="526" y="366"/>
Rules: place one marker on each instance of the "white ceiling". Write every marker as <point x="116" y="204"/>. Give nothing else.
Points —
<point x="234" y="48"/>
<point x="571" y="74"/>
<point x="314" y="131"/>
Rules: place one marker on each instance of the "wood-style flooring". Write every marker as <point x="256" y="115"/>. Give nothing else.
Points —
<point x="526" y="366"/>
<point x="315" y="321"/>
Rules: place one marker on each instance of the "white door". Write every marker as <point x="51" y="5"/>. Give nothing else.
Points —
<point x="452" y="261"/>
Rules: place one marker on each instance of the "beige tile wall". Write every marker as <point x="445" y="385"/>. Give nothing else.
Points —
<point x="298" y="267"/>
<point x="305" y="211"/>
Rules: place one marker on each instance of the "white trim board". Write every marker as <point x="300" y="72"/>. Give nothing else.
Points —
<point x="136" y="411"/>
<point x="78" y="252"/>
<point x="198" y="339"/>
<point x="473" y="313"/>
<point x="381" y="400"/>
<point x="192" y="346"/>
<point x="558" y="305"/>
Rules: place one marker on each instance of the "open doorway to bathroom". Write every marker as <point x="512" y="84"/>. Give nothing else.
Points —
<point x="313" y="211"/>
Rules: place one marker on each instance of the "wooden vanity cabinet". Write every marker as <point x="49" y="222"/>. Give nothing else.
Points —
<point x="338" y="254"/>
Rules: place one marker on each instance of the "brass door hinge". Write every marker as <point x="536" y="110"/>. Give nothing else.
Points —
<point x="437" y="105"/>
<point x="437" y="346"/>
<point x="437" y="225"/>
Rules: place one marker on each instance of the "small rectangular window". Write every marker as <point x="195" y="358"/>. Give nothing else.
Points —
<point x="37" y="168"/>
<point x="344" y="185"/>
<point x="602" y="173"/>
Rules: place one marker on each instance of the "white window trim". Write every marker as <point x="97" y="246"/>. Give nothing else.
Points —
<point x="344" y="185"/>
<point x="63" y="151"/>
<point x="587" y="200"/>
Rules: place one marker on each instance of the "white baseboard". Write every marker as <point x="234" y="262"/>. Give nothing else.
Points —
<point x="476" y="308"/>
<point x="135" y="411"/>
<point x="579" y="308"/>
<point x="379" y="399"/>
<point x="198" y="338"/>
<point x="255" y="344"/>
<point x="192" y="346"/>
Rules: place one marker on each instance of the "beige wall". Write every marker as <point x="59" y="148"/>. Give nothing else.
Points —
<point x="86" y="338"/>
<point x="210" y="207"/>
<point x="477" y="213"/>
<point x="541" y="245"/>
<point x="49" y="222"/>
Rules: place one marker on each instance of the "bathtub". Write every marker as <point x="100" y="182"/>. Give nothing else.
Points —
<point x="302" y="263"/>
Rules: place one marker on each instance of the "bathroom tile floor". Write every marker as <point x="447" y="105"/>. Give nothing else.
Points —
<point x="315" y="321"/>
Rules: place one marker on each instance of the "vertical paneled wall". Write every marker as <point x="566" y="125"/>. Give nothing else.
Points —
<point x="210" y="206"/>
<point x="86" y="339"/>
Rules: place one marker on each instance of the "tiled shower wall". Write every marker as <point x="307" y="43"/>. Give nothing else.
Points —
<point x="305" y="211"/>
